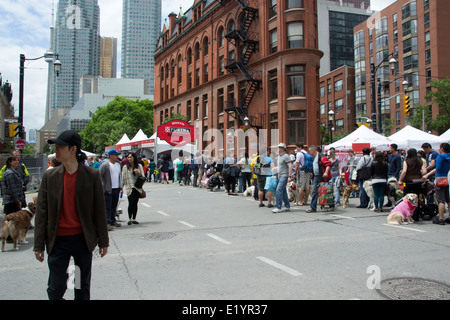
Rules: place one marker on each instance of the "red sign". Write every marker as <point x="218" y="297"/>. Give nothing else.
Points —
<point x="177" y="133"/>
<point x="21" y="144"/>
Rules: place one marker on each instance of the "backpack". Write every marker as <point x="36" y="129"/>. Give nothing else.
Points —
<point x="309" y="159"/>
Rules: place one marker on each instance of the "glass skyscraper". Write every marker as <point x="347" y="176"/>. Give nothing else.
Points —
<point x="141" y="25"/>
<point x="76" y="40"/>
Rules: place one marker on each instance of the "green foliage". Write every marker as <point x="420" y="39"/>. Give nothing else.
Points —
<point x="176" y="116"/>
<point x="440" y="94"/>
<point x="121" y="116"/>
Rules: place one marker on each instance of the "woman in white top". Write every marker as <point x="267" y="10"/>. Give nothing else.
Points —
<point x="130" y="174"/>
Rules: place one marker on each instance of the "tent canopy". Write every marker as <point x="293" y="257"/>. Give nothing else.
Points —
<point x="161" y="146"/>
<point x="446" y="136"/>
<point x="124" y="139"/>
<point x="362" y="135"/>
<point x="139" y="136"/>
<point x="410" y="137"/>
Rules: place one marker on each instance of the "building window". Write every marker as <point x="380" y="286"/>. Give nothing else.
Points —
<point x="221" y="66"/>
<point x="339" y="124"/>
<point x="339" y="104"/>
<point x="409" y="10"/>
<point x="197" y="51"/>
<point x="411" y="62"/>
<point x="322" y="108"/>
<point x="394" y="19"/>
<point x="189" y="110"/>
<point x="427" y="20"/>
<point x="205" y="47"/>
<point x="409" y="27"/>
<point x="426" y="4"/>
<point x="410" y="45"/>
<point x="273" y="41"/>
<point x="427" y="39"/>
<point x="221" y="36"/>
<point x="196" y="109"/>
<point x="294" y="4"/>
<point x="220" y="100"/>
<point x="272" y="8"/>
<point x="295" y="35"/>
<point x="297" y="126"/>
<point x="428" y="56"/>
<point x="296" y="80"/>
<point x="189" y="56"/>
<point x="428" y="75"/>
<point x="322" y="92"/>
<point x="205" y="106"/>
<point x="338" y="85"/>
<point x="273" y="85"/>
<point x="206" y="74"/>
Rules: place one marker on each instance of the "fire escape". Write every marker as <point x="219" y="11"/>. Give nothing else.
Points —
<point x="244" y="41"/>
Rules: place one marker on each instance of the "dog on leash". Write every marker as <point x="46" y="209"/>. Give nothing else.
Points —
<point x="367" y="185"/>
<point x="402" y="213"/>
<point x="17" y="224"/>
<point x="392" y="192"/>
<point x="347" y="192"/>
<point x="292" y="192"/>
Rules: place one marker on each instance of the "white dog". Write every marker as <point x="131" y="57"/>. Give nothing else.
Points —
<point x="367" y="185"/>
<point x="402" y="213"/>
<point x="250" y="192"/>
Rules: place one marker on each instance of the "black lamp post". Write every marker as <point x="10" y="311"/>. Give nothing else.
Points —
<point x="330" y="124"/>
<point x="49" y="58"/>
<point x="373" y="72"/>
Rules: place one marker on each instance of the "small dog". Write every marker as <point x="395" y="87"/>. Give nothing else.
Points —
<point x="17" y="224"/>
<point x="347" y="192"/>
<point x="402" y="213"/>
<point x="392" y="192"/>
<point x="250" y="192"/>
<point x="292" y="192"/>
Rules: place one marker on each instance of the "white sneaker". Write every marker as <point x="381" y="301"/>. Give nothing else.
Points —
<point x="277" y="210"/>
<point x="285" y="209"/>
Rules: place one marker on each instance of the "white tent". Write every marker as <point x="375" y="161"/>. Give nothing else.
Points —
<point x="410" y="137"/>
<point x="124" y="139"/>
<point x="446" y="136"/>
<point x="160" y="146"/>
<point x="362" y="135"/>
<point x="89" y="154"/>
<point x="139" y="136"/>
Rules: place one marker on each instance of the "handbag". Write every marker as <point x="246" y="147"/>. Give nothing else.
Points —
<point x="143" y="194"/>
<point x="364" y="173"/>
<point x="226" y="172"/>
<point x="271" y="184"/>
<point x="441" y="182"/>
<point x="139" y="182"/>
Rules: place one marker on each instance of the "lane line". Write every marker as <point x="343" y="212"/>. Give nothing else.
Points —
<point x="292" y="272"/>
<point x="344" y="217"/>
<point x="401" y="227"/>
<point x="218" y="238"/>
<point x="163" y="213"/>
<point x="186" y="224"/>
<point x="146" y="205"/>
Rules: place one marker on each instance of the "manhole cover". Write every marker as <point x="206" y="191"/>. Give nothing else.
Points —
<point x="158" y="236"/>
<point x="414" y="289"/>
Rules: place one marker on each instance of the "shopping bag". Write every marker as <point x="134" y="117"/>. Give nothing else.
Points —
<point x="271" y="184"/>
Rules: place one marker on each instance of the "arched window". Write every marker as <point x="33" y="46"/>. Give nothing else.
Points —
<point x="189" y="56"/>
<point x="221" y="37"/>
<point x="197" y="51"/>
<point x="205" y="46"/>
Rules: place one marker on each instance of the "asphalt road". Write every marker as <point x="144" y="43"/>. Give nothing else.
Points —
<point x="195" y="244"/>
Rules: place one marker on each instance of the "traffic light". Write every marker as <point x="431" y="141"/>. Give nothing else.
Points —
<point x="406" y="105"/>
<point x="13" y="130"/>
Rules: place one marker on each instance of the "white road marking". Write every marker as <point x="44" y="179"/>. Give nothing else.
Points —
<point x="344" y="217"/>
<point x="186" y="224"/>
<point x="293" y="272"/>
<point x="146" y="205"/>
<point x="163" y="213"/>
<point x="218" y="238"/>
<point x="401" y="227"/>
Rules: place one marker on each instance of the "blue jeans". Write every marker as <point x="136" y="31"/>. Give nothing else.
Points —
<point x="315" y="192"/>
<point x="282" y="195"/>
<point x="337" y="191"/>
<point x="364" y="198"/>
<point x="111" y="201"/>
<point x="378" y="191"/>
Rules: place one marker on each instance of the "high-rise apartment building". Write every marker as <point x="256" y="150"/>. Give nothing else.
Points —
<point x="108" y="57"/>
<point x="141" y="26"/>
<point x="337" y="20"/>
<point x="415" y="34"/>
<point x="76" y="40"/>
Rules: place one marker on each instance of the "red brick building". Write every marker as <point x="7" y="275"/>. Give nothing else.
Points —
<point x="225" y="61"/>
<point x="416" y="34"/>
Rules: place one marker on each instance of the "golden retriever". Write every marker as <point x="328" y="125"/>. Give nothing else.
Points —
<point x="402" y="213"/>
<point x="17" y="224"/>
<point x="347" y="192"/>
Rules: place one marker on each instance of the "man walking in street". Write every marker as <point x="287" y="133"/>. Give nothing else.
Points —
<point x="321" y="172"/>
<point x="111" y="176"/>
<point x="284" y="171"/>
<point x="70" y="218"/>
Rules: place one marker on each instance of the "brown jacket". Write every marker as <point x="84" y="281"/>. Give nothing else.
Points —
<point x="90" y="204"/>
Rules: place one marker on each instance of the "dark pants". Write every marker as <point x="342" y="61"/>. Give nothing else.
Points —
<point x="364" y="198"/>
<point x="11" y="208"/>
<point x="315" y="192"/>
<point x="58" y="264"/>
<point x="133" y="200"/>
<point x="111" y="201"/>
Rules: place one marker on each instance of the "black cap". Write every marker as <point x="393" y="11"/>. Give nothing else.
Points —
<point x="67" y="138"/>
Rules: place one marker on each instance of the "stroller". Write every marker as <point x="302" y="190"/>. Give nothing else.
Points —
<point x="422" y="189"/>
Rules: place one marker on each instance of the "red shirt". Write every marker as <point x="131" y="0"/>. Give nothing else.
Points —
<point x="69" y="221"/>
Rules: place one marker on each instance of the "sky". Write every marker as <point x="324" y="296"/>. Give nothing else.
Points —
<point x="24" y="29"/>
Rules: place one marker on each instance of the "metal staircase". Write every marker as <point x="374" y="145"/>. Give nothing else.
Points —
<point x="247" y="41"/>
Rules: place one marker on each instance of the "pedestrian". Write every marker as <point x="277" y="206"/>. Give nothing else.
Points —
<point x="351" y="165"/>
<point x="395" y="166"/>
<point x="302" y="174"/>
<point x="413" y="171"/>
<point x="12" y="186"/>
<point x="442" y="167"/>
<point x="70" y="219"/>
<point x="364" y="163"/>
<point x="379" y="173"/>
<point x="96" y="164"/>
<point x="284" y="171"/>
<point x="229" y="164"/>
<point x="262" y="168"/>
<point x="151" y="170"/>
<point x="111" y="177"/>
<point x="130" y="174"/>
<point x="179" y="166"/>
<point x="246" y="173"/>
<point x="335" y="175"/>
<point x="165" y="170"/>
<point x="431" y="156"/>
<point x="23" y="173"/>
<point x="321" y="173"/>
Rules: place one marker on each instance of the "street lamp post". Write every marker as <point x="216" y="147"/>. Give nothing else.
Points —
<point x="330" y="124"/>
<point x="373" y="72"/>
<point x="49" y="58"/>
